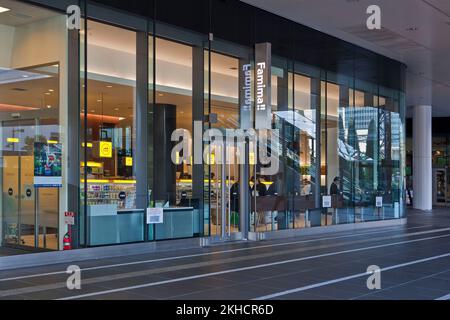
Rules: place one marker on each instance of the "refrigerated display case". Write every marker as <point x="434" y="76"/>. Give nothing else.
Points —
<point x="122" y="194"/>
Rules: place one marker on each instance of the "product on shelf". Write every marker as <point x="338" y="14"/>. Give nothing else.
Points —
<point x="122" y="195"/>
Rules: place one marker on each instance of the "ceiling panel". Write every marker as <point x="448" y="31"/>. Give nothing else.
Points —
<point x="415" y="32"/>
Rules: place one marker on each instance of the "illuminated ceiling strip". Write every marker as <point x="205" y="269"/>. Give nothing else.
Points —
<point x="10" y="107"/>
<point x="104" y="118"/>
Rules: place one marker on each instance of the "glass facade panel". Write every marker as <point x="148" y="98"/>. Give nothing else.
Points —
<point x="109" y="145"/>
<point x="336" y="130"/>
<point x="224" y="166"/>
<point x="172" y="111"/>
<point x="172" y="124"/>
<point x="225" y="74"/>
<point x="33" y="122"/>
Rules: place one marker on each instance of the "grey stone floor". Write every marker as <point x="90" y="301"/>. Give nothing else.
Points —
<point x="417" y="256"/>
<point x="4" y="251"/>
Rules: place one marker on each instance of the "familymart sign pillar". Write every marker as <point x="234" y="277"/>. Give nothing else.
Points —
<point x="255" y="89"/>
<point x="263" y="85"/>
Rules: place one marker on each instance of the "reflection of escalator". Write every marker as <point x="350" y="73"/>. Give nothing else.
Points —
<point x="350" y="155"/>
<point x="293" y="121"/>
<point x="296" y="152"/>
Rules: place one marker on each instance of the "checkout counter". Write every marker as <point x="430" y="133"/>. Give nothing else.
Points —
<point x="108" y="225"/>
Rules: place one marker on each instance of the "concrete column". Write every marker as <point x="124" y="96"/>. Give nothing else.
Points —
<point x="422" y="158"/>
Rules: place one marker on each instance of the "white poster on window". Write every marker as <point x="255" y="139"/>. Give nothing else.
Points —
<point x="155" y="215"/>
<point x="326" y="202"/>
<point x="379" y="202"/>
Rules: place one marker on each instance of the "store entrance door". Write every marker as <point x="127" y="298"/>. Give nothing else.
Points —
<point x="22" y="224"/>
<point x="228" y="191"/>
<point x="441" y="187"/>
<point x="225" y="193"/>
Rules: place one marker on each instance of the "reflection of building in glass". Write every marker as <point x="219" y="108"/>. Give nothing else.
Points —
<point x="113" y="113"/>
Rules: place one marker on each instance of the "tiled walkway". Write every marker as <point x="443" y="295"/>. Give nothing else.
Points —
<point x="415" y="263"/>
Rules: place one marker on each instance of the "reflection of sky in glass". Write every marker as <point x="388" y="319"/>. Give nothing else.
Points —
<point x="302" y="120"/>
<point x="362" y="117"/>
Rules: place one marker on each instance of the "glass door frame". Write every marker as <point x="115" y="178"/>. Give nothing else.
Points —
<point x="22" y="194"/>
<point x="214" y="46"/>
<point x="223" y="185"/>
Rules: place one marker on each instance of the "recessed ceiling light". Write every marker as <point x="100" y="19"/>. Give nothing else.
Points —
<point x="93" y="111"/>
<point x="49" y="107"/>
<point x="3" y="9"/>
<point x="99" y="100"/>
<point x="47" y="93"/>
<point x="109" y="86"/>
<point x="51" y="90"/>
<point x="160" y="95"/>
<point x="25" y="76"/>
<point x="117" y="109"/>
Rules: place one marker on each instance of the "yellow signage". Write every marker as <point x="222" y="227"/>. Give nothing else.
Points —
<point x="128" y="161"/>
<point x="92" y="164"/>
<point x="106" y="149"/>
<point x="252" y="159"/>
<point x="211" y="159"/>
<point x="12" y="140"/>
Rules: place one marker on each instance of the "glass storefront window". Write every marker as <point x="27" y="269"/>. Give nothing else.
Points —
<point x="172" y="111"/>
<point x="339" y="135"/>
<point x="225" y="176"/>
<point x="33" y="118"/>
<point x="111" y="85"/>
<point x="171" y="125"/>
<point x="304" y="133"/>
<point x="331" y="97"/>
<point x="109" y="142"/>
